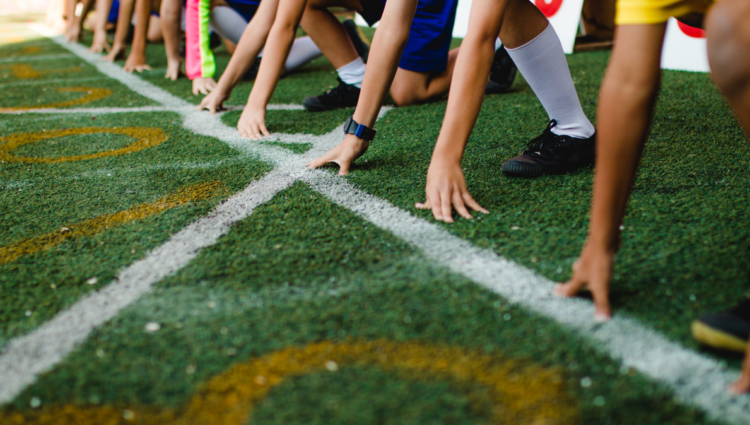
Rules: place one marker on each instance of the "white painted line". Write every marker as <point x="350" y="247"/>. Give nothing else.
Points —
<point x="38" y="351"/>
<point x="36" y="58"/>
<point x="187" y="107"/>
<point x="36" y="82"/>
<point x="96" y="111"/>
<point x="695" y="379"/>
<point x="116" y="172"/>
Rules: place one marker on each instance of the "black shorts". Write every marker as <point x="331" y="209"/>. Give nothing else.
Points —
<point x="372" y="10"/>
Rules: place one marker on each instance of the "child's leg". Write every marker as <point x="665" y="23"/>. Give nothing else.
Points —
<point x="154" y="23"/>
<point x="410" y="87"/>
<point x="328" y="33"/>
<point x="626" y="103"/>
<point x="536" y="50"/>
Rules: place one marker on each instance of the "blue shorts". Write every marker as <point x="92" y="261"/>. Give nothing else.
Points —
<point x="114" y="12"/>
<point x="430" y="34"/>
<point x="246" y="8"/>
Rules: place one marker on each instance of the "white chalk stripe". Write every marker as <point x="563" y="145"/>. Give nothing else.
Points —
<point x="30" y="58"/>
<point x="43" y="348"/>
<point x="695" y="379"/>
<point x="35" y="82"/>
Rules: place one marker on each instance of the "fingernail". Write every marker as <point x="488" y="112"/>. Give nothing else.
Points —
<point x="601" y="318"/>
<point x="556" y="290"/>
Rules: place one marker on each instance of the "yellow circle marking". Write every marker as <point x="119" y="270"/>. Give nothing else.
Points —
<point x="92" y="94"/>
<point x="520" y="393"/>
<point x="145" y="138"/>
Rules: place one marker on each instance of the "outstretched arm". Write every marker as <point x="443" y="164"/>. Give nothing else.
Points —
<point x="446" y="186"/>
<point x="250" y="45"/>
<point x="171" y="14"/>
<point x="137" y="59"/>
<point x="100" y="27"/>
<point x="625" y="108"/>
<point x="252" y="123"/>
<point x="121" y="32"/>
<point x="385" y="52"/>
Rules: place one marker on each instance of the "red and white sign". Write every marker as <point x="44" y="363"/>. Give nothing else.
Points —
<point x="564" y="15"/>
<point x="684" y="48"/>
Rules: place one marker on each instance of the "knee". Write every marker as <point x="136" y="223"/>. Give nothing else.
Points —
<point x="728" y="38"/>
<point x="405" y="94"/>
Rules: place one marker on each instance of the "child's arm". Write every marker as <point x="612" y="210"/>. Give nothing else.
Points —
<point x="446" y="186"/>
<point x="625" y="108"/>
<point x="75" y="30"/>
<point x="250" y="45"/>
<point x="121" y="32"/>
<point x="385" y="52"/>
<point x="199" y="59"/>
<point x="137" y="58"/>
<point x="100" y="27"/>
<point x="279" y="42"/>
<point x="171" y="14"/>
<point x="743" y="383"/>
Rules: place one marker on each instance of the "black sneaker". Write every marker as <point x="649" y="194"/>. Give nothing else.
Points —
<point x="252" y="72"/>
<point x="358" y="39"/>
<point x="502" y="73"/>
<point x="726" y="330"/>
<point x="552" y="154"/>
<point x="342" y="96"/>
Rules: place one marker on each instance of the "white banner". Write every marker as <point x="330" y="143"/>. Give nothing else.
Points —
<point x="684" y="48"/>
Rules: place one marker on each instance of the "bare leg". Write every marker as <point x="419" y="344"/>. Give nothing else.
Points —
<point x="154" y="29"/>
<point x="327" y="32"/>
<point x="522" y="23"/>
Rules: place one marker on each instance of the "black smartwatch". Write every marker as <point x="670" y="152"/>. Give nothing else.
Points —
<point x="359" y="130"/>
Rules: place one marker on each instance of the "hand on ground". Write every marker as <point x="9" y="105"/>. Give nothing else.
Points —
<point x="203" y="85"/>
<point x="743" y="383"/>
<point x="446" y="190"/>
<point x="213" y="102"/>
<point x="173" y="70"/>
<point x="73" y="34"/>
<point x="135" y="63"/>
<point x="593" y="272"/>
<point x="116" y="53"/>
<point x="253" y="123"/>
<point x="344" y="154"/>
<point x="100" y="43"/>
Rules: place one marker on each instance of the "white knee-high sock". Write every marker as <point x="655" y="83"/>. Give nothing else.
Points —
<point x="303" y="51"/>
<point x="542" y="63"/>
<point x="353" y="72"/>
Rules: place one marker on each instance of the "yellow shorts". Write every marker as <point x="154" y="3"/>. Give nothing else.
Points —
<point x="632" y="12"/>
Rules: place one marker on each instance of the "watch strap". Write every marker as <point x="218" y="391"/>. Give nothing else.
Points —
<point x="359" y="130"/>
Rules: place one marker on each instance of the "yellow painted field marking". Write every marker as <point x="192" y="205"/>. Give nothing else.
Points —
<point x="521" y="393"/>
<point x="145" y="138"/>
<point x="24" y="70"/>
<point x="31" y="49"/>
<point x="104" y="222"/>
<point x="93" y="94"/>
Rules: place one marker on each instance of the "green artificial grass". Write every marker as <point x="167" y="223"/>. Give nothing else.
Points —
<point x="301" y="270"/>
<point x="272" y="283"/>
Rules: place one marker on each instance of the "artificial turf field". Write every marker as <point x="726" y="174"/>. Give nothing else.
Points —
<point x="156" y="268"/>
